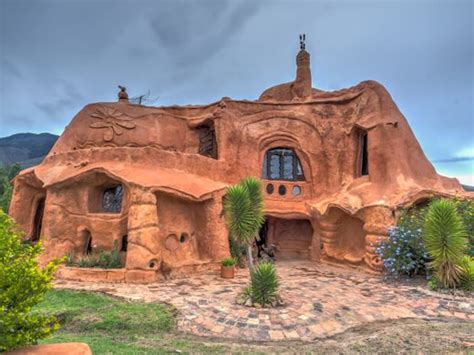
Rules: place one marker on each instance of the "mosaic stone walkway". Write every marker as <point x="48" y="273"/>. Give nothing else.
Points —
<point x="322" y="300"/>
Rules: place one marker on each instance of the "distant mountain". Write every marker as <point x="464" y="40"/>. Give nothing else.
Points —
<point x="26" y="149"/>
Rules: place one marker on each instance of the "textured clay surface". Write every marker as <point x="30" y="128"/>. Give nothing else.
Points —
<point x="358" y="163"/>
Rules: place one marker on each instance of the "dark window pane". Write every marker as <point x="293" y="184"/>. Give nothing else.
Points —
<point x="282" y="190"/>
<point x="274" y="166"/>
<point x="112" y="199"/>
<point x="288" y="173"/>
<point x="270" y="189"/>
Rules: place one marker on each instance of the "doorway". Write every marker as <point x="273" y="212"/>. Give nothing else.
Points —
<point x="38" y="221"/>
<point x="291" y="238"/>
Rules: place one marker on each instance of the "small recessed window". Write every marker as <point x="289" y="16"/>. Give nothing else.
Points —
<point x="282" y="190"/>
<point x="362" y="164"/>
<point x="112" y="199"/>
<point x="270" y="189"/>
<point x="183" y="238"/>
<point x="296" y="190"/>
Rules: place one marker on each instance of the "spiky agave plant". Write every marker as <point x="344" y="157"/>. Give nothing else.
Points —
<point x="264" y="284"/>
<point x="445" y="238"/>
<point x="243" y="207"/>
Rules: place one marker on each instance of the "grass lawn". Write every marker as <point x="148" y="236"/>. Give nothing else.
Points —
<point x="115" y="326"/>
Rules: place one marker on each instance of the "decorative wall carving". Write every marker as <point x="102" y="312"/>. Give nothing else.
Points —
<point x="113" y="121"/>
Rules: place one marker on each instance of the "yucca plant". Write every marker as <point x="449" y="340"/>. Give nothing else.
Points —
<point x="264" y="284"/>
<point x="445" y="239"/>
<point x="243" y="208"/>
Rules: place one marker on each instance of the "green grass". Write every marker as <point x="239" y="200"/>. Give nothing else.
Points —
<point x="114" y="326"/>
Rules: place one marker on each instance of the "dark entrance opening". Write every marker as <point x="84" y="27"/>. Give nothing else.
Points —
<point x="290" y="238"/>
<point x="88" y="245"/>
<point x="38" y="221"/>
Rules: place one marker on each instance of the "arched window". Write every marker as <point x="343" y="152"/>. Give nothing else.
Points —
<point x="282" y="164"/>
<point x="112" y="199"/>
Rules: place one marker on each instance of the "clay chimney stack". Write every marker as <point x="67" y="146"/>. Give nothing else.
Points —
<point x="303" y="84"/>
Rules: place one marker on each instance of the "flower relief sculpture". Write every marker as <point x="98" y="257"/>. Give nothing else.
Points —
<point x="113" y="121"/>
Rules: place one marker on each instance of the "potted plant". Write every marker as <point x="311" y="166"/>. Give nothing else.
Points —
<point x="228" y="268"/>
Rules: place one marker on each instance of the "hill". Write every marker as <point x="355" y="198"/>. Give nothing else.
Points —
<point x="26" y="149"/>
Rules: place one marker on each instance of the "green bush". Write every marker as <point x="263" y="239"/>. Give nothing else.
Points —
<point x="465" y="209"/>
<point x="404" y="252"/>
<point x="104" y="259"/>
<point x="445" y="239"/>
<point x="23" y="284"/>
<point x="7" y="173"/>
<point x="237" y="250"/>
<point x="228" y="262"/>
<point x="264" y="284"/>
<point x="467" y="277"/>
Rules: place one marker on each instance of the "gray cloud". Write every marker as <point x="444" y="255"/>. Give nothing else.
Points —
<point x="195" y="31"/>
<point x="67" y="96"/>
<point x="454" y="160"/>
<point x="62" y="55"/>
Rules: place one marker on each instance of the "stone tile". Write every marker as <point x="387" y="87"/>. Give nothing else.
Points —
<point x="321" y="300"/>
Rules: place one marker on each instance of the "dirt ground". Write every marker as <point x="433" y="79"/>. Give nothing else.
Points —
<point x="413" y="336"/>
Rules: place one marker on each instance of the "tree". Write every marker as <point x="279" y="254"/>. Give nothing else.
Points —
<point x="23" y="284"/>
<point x="243" y="208"/>
<point x="7" y="173"/>
<point x="445" y="239"/>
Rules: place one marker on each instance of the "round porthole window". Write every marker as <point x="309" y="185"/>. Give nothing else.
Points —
<point x="296" y="190"/>
<point x="270" y="189"/>
<point x="282" y="190"/>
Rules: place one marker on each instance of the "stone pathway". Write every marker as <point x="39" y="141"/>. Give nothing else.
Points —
<point x="322" y="300"/>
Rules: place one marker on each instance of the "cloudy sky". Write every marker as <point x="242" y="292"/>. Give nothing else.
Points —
<point x="58" y="55"/>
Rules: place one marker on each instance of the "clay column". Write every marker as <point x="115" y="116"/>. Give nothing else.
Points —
<point x="144" y="250"/>
<point x="377" y="221"/>
<point x="216" y="231"/>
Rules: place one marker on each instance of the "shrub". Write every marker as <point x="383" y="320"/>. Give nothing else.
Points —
<point x="465" y="209"/>
<point x="404" y="252"/>
<point x="467" y="277"/>
<point x="237" y="250"/>
<point x="228" y="262"/>
<point x="7" y="173"/>
<point x="104" y="259"/>
<point x="264" y="284"/>
<point x="23" y="284"/>
<point x="445" y="239"/>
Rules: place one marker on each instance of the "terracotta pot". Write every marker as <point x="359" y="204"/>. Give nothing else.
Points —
<point x="227" y="272"/>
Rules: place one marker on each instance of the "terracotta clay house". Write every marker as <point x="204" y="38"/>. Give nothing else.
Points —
<point x="335" y="166"/>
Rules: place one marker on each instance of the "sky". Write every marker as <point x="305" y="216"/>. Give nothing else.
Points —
<point x="58" y="55"/>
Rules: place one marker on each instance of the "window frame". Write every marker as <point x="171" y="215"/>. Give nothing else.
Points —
<point x="285" y="152"/>
<point x="105" y="191"/>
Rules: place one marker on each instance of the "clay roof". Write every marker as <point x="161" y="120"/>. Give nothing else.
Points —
<point x="171" y="181"/>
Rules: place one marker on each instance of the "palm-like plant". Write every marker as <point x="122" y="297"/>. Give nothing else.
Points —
<point x="243" y="207"/>
<point x="264" y="284"/>
<point x="445" y="239"/>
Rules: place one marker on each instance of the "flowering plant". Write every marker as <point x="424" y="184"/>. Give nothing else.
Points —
<point x="404" y="252"/>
